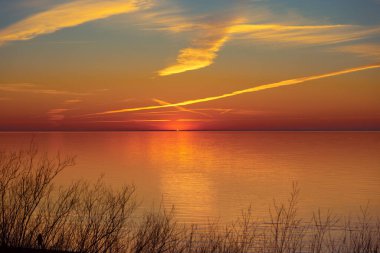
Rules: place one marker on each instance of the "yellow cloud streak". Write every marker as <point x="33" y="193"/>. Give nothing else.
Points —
<point x="247" y="28"/>
<point x="249" y="90"/>
<point x="303" y="34"/>
<point x="67" y="15"/>
<point x="196" y="57"/>
<point x="205" y="50"/>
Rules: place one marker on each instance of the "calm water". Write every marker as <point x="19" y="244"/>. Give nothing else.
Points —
<point x="217" y="174"/>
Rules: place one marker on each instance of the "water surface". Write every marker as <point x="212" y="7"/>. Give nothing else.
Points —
<point x="217" y="174"/>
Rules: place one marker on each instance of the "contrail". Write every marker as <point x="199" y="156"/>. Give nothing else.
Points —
<point x="249" y="90"/>
<point x="180" y="108"/>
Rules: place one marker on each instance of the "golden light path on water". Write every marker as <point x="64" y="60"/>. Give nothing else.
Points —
<point x="211" y="175"/>
<point x="288" y="82"/>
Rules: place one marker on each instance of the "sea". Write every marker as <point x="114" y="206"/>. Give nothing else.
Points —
<point x="206" y="176"/>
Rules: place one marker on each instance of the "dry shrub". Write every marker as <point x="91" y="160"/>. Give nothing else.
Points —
<point x="81" y="217"/>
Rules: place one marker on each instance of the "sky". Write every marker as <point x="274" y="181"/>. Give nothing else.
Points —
<point x="81" y="65"/>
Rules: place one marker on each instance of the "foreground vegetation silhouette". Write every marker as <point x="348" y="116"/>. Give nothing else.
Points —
<point x="83" y="217"/>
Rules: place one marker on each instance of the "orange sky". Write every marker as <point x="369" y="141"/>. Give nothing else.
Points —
<point x="189" y="65"/>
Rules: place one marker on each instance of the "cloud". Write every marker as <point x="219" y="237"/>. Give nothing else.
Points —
<point x="153" y="120"/>
<point x="67" y="15"/>
<point x="204" y="49"/>
<point x="195" y="120"/>
<point x="164" y="17"/>
<point x="201" y="55"/>
<point x="212" y="32"/>
<point x="56" y="117"/>
<point x="363" y="50"/>
<point x="31" y="88"/>
<point x="56" y="111"/>
<point x="57" y="114"/>
<point x="132" y="120"/>
<point x="291" y="34"/>
<point x="249" y="90"/>
<point x="72" y="101"/>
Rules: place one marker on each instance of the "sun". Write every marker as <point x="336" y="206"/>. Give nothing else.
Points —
<point x="179" y="126"/>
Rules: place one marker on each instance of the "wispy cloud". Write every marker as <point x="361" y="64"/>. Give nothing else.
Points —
<point x="32" y="88"/>
<point x="59" y="110"/>
<point x="152" y="120"/>
<point x="299" y="34"/>
<point x="195" y="120"/>
<point x="201" y="55"/>
<point x="72" y="101"/>
<point x="132" y="120"/>
<point x="205" y="48"/>
<point x="249" y="90"/>
<point x="363" y="50"/>
<point x="212" y="32"/>
<point x="57" y="114"/>
<point x="168" y="17"/>
<point x="68" y="15"/>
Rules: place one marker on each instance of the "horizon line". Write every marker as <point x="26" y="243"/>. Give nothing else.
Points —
<point x="195" y="130"/>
